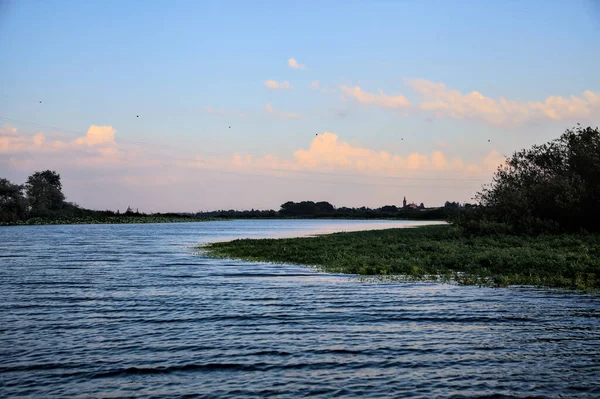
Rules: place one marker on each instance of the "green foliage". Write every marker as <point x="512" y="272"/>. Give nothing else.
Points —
<point x="44" y="192"/>
<point x="437" y="252"/>
<point x="13" y="205"/>
<point x="553" y="187"/>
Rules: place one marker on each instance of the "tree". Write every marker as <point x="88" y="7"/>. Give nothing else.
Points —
<point x="44" y="192"/>
<point x="449" y="204"/>
<point x="553" y="186"/>
<point x="306" y="208"/>
<point x="13" y="206"/>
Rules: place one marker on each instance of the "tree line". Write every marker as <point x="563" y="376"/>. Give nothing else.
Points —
<point x="324" y="209"/>
<point x="41" y="198"/>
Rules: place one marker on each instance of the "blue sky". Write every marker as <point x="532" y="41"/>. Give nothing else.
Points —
<point x="103" y="63"/>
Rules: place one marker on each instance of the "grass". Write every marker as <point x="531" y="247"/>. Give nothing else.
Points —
<point x="436" y="253"/>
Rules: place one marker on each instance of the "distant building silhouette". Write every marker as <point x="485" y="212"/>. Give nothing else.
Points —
<point x="412" y="205"/>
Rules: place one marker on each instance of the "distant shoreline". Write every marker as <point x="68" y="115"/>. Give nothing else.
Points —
<point x="182" y="219"/>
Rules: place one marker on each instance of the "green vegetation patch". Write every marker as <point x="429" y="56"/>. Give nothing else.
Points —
<point x="434" y="253"/>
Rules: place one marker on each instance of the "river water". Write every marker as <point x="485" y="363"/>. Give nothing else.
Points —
<point x="90" y="311"/>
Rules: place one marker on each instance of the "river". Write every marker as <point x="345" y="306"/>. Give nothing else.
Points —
<point x="114" y="311"/>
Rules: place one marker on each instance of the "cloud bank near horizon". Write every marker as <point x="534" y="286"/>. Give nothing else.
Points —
<point x="328" y="166"/>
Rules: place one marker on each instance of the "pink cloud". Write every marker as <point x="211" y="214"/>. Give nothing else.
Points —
<point x="326" y="152"/>
<point x="443" y="102"/>
<point x="292" y="63"/>
<point x="271" y="84"/>
<point x="381" y="99"/>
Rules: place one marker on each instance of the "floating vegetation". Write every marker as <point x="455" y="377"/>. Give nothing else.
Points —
<point x="435" y="253"/>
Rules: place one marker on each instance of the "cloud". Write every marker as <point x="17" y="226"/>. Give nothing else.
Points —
<point x="286" y="115"/>
<point x="98" y="135"/>
<point x="294" y="64"/>
<point x="217" y="111"/>
<point x="316" y="85"/>
<point x="327" y="153"/>
<point x="100" y="139"/>
<point x="443" y="102"/>
<point x="381" y="99"/>
<point x="271" y="84"/>
<point x="95" y="165"/>
<point x="439" y="101"/>
<point x="8" y="130"/>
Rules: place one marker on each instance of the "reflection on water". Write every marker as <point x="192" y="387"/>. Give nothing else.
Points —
<point x="132" y="310"/>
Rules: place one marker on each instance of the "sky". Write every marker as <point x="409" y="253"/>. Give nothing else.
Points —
<point x="203" y="105"/>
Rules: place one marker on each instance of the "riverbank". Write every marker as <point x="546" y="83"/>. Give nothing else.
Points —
<point x="108" y="220"/>
<point x="436" y="253"/>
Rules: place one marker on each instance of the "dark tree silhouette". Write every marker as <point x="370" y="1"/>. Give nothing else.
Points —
<point x="44" y="192"/>
<point x="13" y="205"/>
<point x="549" y="187"/>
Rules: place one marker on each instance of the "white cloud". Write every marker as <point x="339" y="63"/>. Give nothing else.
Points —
<point x="443" y="102"/>
<point x="294" y="64"/>
<point x="98" y="135"/>
<point x="381" y="99"/>
<point x="271" y="84"/>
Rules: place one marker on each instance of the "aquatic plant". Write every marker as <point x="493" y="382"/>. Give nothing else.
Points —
<point x="436" y="252"/>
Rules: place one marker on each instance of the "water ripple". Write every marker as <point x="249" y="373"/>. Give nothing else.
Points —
<point x="135" y="311"/>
